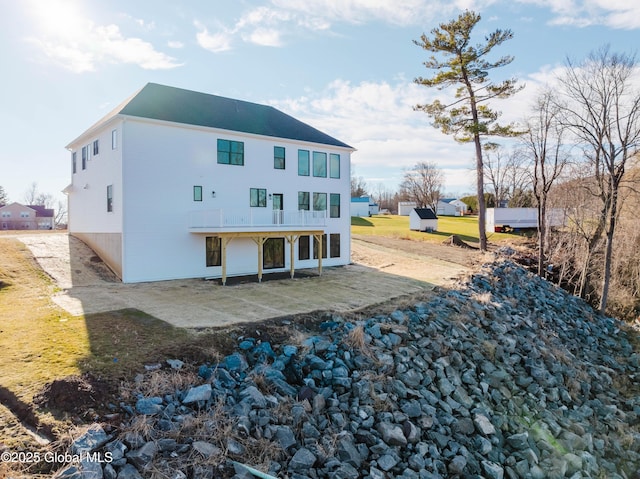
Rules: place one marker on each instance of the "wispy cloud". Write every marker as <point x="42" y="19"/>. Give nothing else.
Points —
<point x="214" y="42"/>
<point x="75" y="42"/>
<point x="617" y="14"/>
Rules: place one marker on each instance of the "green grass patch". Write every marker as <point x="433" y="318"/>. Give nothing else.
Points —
<point x="394" y="226"/>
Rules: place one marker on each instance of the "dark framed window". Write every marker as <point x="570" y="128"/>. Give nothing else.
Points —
<point x="109" y="198"/>
<point x="84" y="157"/>
<point x="303" y="247"/>
<point x="273" y="253"/>
<point x="96" y="147"/>
<point x="258" y="197"/>
<point x="278" y="157"/>
<point x="303" y="200"/>
<point x="334" y="205"/>
<point x="114" y="139"/>
<point x="319" y="164"/>
<point x="213" y="247"/>
<point x="303" y="163"/>
<point x="230" y="152"/>
<point x="334" y="245"/>
<point x="319" y="202"/>
<point x="324" y="247"/>
<point x="197" y="193"/>
<point x="74" y="161"/>
<point x="334" y="165"/>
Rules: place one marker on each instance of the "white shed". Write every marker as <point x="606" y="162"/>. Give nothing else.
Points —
<point x="423" y="219"/>
<point x="446" y="209"/>
<point x="405" y="207"/>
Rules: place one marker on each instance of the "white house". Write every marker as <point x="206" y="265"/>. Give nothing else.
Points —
<point x="363" y="206"/>
<point x="423" y="219"/>
<point x="179" y="184"/>
<point x="444" y="208"/>
<point x="16" y="216"/>
<point x="461" y="207"/>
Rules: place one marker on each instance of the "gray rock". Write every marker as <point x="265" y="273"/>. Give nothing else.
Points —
<point x="143" y="456"/>
<point x="149" y="406"/>
<point x="91" y="440"/>
<point x="348" y="453"/>
<point x="129" y="472"/>
<point x="252" y="396"/>
<point x="198" y="393"/>
<point x="392" y="434"/>
<point x="387" y="462"/>
<point x="457" y="465"/>
<point x="492" y="470"/>
<point x="483" y="425"/>
<point x="346" y="471"/>
<point x="519" y="441"/>
<point x="206" y="449"/>
<point x="302" y="460"/>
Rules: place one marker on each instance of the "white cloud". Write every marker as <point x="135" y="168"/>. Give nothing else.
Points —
<point x="618" y="14"/>
<point x="75" y="42"/>
<point x="214" y="42"/>
<point x="175" y="44"/>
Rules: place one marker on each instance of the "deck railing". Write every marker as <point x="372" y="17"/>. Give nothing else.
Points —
<point x="255" y="217"/>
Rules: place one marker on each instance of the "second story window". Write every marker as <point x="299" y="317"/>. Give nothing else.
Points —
<point x="74" y="161"/>
<point x="85" y="154"/>
<point x="334" y="165"/>
<point x="278" y="157"/>
<point x="109" y="198"/>
<point x="319" y="164"/>
<point x="230" y="152"/>
<point x="96" y="147"/>
<point x="303" y="163"/>
<point x="197" y="193"/>
<point x="303" y="200"/>
<point x="334" y="205"/>
<point x="319" y="202"/>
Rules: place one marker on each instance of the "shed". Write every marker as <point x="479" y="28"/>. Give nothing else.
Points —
<point x="405" y="207"/>
<point x="423" y="219"/>
<point x="360" y="206"/>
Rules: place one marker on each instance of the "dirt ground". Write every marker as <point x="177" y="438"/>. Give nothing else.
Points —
<point x="381" y="269"/>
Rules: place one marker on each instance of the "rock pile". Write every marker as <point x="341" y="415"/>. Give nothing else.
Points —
<point x="505" y="376"/>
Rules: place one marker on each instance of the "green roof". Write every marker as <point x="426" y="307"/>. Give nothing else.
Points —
<point x="160" y="102"/>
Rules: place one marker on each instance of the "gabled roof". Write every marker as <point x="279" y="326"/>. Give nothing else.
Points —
<point x="425" y="213"/>
<point x="160" y="102"/>
<point x="41" y="211"/>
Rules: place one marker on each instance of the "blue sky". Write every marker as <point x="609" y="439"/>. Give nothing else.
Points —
<point x="343" y="66"/>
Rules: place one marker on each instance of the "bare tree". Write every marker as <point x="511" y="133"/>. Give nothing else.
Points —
<point x="31" y="195"/>
<point x="602" y="109"/>
<point x="544" y="142"/>
<point x="505" y="173"/>
<point x="358" y="185"/>
<point x="4" y="198"/>
<point x="423" y="184"/>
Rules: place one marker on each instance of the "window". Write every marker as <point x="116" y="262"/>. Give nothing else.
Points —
<point x="334" y="205"/>
<point x="324" y="247"/>
<point x="74" y="161"/>
<point x="84" y="157"/>
<point x="319" y="202"/>
<point x="334" y="165"/>
<point x="303" y="200"/>
<point x="303" y="163"/>
<point x="319" y="164"/>
<point x="197" y="193"/>
<point x="6" y="214"/>
<point x="96" y="147"/>
<point x="334" y="245"/>
<point x="258" y="197"/>
<point x="230" y="152"/>
<point x="213" y="251"/>
<point x="278" y="157"/>
<point x="114" y="139"/>
<point x="109" y="198"/>
<point x="303" y="247"/>
<point x="24" y="214"/>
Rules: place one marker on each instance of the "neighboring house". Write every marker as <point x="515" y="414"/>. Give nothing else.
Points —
<point x="423" y="219"/>
<point x="179" y="184"/>
<point x="406" y="207"/>
<point x="363" y="206"/>
<point x="15" y="216"/>
<point x="444" y="208"/>
<point x="506" y="219"/>
<point x="461" y="207"/>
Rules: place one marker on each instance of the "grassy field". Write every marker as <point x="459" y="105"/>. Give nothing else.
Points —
<point x="466" y="227"/>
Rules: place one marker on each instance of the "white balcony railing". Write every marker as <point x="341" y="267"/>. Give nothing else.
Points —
<point x="233" y="218"/>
